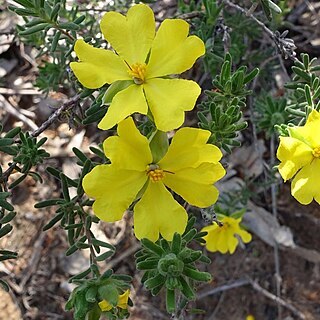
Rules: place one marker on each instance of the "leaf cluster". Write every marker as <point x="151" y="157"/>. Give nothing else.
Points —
<point x="85" y="297"/>
<point x="306" y="87"/>
<point x="71" y="212"/>
<point x="171" y="265"/>
<point x="221" y="113"/>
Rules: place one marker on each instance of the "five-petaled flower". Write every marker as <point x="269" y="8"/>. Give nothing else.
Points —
<point x="146" y="59"/>
<point x="189" y="168"/>
<point x="300" y="159"/>
<point x="122" y="302"/>
<point x="223" y="239"/>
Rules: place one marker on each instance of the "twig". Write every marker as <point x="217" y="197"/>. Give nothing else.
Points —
<point x="280" y="301"/>
<point x="225" y="287"/>
<point x="12" y="110"/>
<point x="19" y="91"/>
<point x="70" y="103"/>
<point x="284" y="45"/>
<point x="258" y="288"/>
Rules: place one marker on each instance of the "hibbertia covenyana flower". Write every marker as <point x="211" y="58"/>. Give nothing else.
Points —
<point x="300" y="159"/>
<point x="142" y="60"/>
<point x="189" y="168"/>
<point x="224" y="238"/>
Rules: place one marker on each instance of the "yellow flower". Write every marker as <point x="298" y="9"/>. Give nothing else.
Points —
<point x="250" y="317"/>
<point x="300" y="159"/>
<point x="223" y="238"/>
<point x="190" y="167"/>
<point x="122" y="302"/>
<point x="146" y="59"/>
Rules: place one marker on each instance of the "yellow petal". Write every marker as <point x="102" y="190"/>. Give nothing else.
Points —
<point x="305" y="185"/>
<point x="168" y="99"/>
<point x="113" y="189"/>
<point x="310" y="132"/>
<point x="172" y="51"/>
<point x="212" y="237"/>
<point x="244" y="235"/>
<point x="123" y="300"/>
<point x="293" y="154"/>
<point x="157" y="212"/>
<point x="125" y="103"/>
<point x="105" y="305"/>
<point x="130" y="149"/>
<point x="197" y="152"/>
<point x="222" y="241"/>
<point x="195" y="185"/>
<point x="97" y="66"/>
<point x="131" y="37"/>
<point x="232" y="241"/>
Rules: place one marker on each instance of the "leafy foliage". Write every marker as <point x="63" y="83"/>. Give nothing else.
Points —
<point x="171" y="265"/>
<point x="85" y="298"/>
<point x="221" y="112"/>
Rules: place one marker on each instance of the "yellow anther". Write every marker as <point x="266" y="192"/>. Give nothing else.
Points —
<point x="155" y="173"/>
<point x="137" y="72"/>
<point x="316" y="152"/>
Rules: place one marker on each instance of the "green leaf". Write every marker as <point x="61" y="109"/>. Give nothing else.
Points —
<point x="109" y="293"/>
<point x="6" y="142"/>
<point x="65" y="190"/>
<point x="148" y="264"/>
<point x="154" y="282"/>
<point x="105" y="255"/>
<point x="97" y="116"/>
<point x="8" y="217"/>
<point x="5" y="230"/>
<point x="307" y="92"/>
<point x="176" y="243"/>
<point x="186" y="290"/>
<point x="69" y="26"/>
<point x="170" y="301"/>
<point x="249" y="77"/>
<point x="274" y="7"/>
<point x="18" y="181"/>
<point x="91" y="294"/>
<point x="35" y="29"/>
<point x="23" y="12"/>
<point x="80" y="19"/>
<point x="80" y="275"/>
<point x="13" y="132"/>
<point x="48" y="203"/>
<point x="302" y="74"/>
<point x="53" y="221"/>
<point x="100" y="243"/>
<point x="4" y="285"/>
<point x="197" y="275"/>
<point x="6" y="205"/>
<point x="152" y="246"/>
<point x="55" y="11"/>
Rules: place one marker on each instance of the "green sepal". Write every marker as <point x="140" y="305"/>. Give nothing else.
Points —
<point x="114" y="88"/>
<point x="159" y="145"/>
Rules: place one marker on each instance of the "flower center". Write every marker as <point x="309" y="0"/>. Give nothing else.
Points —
<point x="137" y="72"/>
<point x="316" y="152"/>
<point x="154" y="172"/>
